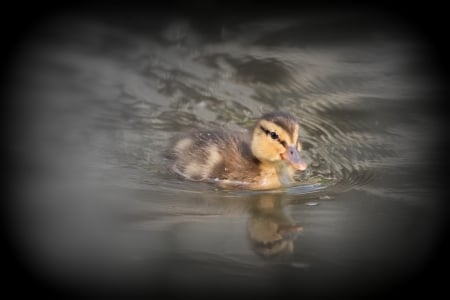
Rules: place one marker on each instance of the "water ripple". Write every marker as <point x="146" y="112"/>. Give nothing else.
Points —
<point x="146" y="90"/>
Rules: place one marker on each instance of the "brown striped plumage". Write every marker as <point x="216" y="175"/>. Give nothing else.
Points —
<point x="265" y="159"/>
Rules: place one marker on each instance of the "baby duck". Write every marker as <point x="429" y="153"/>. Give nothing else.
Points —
<point x="266" y="159"/>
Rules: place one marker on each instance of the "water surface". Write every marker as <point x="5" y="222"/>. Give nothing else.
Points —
<point x="99" y="100"/>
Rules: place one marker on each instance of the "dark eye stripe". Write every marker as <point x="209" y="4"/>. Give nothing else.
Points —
<point x="273" y="135"/>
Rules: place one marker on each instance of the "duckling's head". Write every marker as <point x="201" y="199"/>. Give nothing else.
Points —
<point x="275" y="139"/>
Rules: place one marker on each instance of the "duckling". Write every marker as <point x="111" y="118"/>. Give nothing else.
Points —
<point x="265" y="159"/>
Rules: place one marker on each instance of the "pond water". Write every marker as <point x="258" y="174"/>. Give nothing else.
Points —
<point x="98" y="100"/>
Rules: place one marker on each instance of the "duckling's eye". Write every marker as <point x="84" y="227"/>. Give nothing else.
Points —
<point x="273" y="135"/>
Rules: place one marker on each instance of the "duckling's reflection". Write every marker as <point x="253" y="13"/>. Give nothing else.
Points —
<point x="271" y="231"/>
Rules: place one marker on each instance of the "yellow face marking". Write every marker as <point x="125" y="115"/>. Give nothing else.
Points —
<point x="295" y="134"/>
<point x="296" y="139"/>
<point x="266" y="148"/>
<point x="283" y="135"/>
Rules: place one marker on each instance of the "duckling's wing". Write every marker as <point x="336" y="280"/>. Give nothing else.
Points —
<point x="214" y="155"/>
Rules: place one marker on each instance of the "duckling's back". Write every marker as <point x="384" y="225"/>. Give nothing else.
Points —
<point x="215" y="156"/>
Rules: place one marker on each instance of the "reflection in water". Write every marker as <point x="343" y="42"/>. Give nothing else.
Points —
<point x="270" y="230"/>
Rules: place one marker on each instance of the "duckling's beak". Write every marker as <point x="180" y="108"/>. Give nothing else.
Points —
<point x="293" y="157"/>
